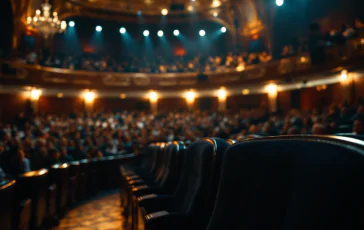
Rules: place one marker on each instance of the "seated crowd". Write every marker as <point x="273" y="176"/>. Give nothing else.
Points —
<point x="231" y="61"/>
<point x="39" y="142"/>
<point x="144" y="64"/>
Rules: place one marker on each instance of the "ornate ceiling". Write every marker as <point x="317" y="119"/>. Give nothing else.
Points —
<point x="150" y="7"/>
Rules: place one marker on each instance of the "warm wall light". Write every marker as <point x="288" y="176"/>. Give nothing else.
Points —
<point x="344" y="76"/>
<point x="35" y="94"/>
<point x="221" y="94"/>
<point x="271" y="89"/>
<point x="245" y="91"/>
<point x="240" y="68"/>
<point x="123" y="96"/>
<point x="153" y="96"/>
<point x="59" y="95"/>
<point x="89" y="97"/>
<point x="190" y="97"/>
<point x="164" y="12"/>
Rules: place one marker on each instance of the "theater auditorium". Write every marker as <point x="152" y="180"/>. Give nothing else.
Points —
<point x="181" y="115"/>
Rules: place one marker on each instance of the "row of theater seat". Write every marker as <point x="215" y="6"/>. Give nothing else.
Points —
<point x="286" y="182"/>
<point x="37" y="199"/>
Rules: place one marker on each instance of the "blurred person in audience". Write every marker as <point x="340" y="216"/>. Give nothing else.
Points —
<point x="19" y="164"/>
<point x="64" y="157"/>
<point x="53" y="158"/>
<point x="358" y="127"/>
<point x="319" y="129"/>
<point x="2" y="174"/>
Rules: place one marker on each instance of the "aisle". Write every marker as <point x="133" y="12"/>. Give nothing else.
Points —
<point x="103" y="213"/>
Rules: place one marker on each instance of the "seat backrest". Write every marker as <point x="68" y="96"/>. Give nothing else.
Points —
<point x="34" y="185"/>
<point x="351" y="135"/>
<point x="59" y="176"/>
<point x="7" y="194"/>
<point x="172" y="173"/>
<point x="156" y="157"/>
<point x="201" y="158"/>
<point x="292" y="182"/>
<point x="163" y="160"/>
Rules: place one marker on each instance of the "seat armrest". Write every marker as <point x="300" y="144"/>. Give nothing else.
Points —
<point x="154" y="202"/>
<point x="166" y="220"/>
<point x="145" y="189"/>
<point x="133" y="177"/>
<point x="136" y="181"/>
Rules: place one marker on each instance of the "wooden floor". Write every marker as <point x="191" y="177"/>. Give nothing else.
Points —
<point x="103" y="213"/>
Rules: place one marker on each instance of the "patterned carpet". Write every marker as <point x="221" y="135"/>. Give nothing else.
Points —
<point x="103" y="213"/>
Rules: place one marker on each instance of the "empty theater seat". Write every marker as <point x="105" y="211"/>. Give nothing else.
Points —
<point x="351" y="135"/>
<point x="303" y="182"/>
<point x="73" y="182"/>
<point x="7" y="195"/>
<point x="33" y="185"/>
<point x="59" y="176"/>
<point x="168" y="179"/>
<point x="188" y="207"/>
<point x="149" y="169"/>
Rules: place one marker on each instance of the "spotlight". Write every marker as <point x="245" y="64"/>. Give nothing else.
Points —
<point x="223" y="29"/>
<point x="160" y="33"/>
<point x="146" y="33"/>
<point x="164" y="12"/>
<point x="202" y="33"/>
<point x="215" y="14"/>
<point x="279" y="2"/>
<point x="176" y="32"/>
<point x="98" y="28"/>
<point x="71" y="24"/>
<point x="122" y="30"/>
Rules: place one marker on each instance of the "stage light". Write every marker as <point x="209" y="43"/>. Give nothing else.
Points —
<point x="146" y="33"/>
<point x="223" y="29"/>
<point x="215" y="14"/>
<point x="122" y="30"/>
<point x="164" y="12"/>
<point x="98" y="28"/>
<point x="160" y="33"/>
<point x="71" y="24"/>
<point x="279" y="2"/>
<point x="176" y="32"/>
<point x="202" y="33"/>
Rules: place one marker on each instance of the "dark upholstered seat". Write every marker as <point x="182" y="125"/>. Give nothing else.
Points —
<point x="7" y="195"/>
<point x="351" y="135"/>
<point x="168" y="178"/>
<point x="82" y="180"/>
<point x="33" y="185"/>
<point x="73" y="182"/>
<point x="169" y="174"/>
<point x="59" y="176"/>
<point x="286" y="183"/>
<point x="190" y="204"/>
<point x="149" y="170"/>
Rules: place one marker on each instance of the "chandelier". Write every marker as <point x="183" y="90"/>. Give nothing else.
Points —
<point x="46" y="24"/>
